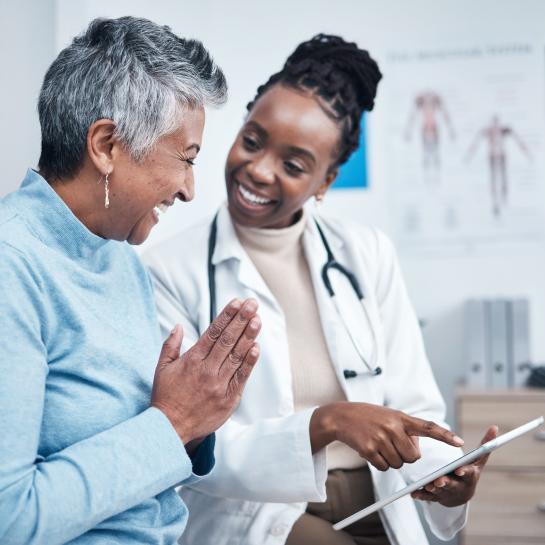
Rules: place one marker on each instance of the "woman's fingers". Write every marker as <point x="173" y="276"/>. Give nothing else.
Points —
<point x="466" y="473"/>
<point x="424" y="495"/>
<point x="376" y="459"/>
<point x="407" y="448"/>
<point x="242" y="373"/>
<point x="231" y="333"/>
<point x="391" y="455"/>
<point x="450" y="490"/>
<point x="236" y="357"/>
<point x="171" y="347"/>
<point x="210" y="337"/>
<point x="442" y="483"/>
<point x="427" y="428"/>
<point x="440" y="486"/>
<point x="215" y="385"/>
<point x="491" y="433"/>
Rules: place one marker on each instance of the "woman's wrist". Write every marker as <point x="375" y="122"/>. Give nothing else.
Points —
<point x="323" y="427"/>
<point x="181" y="426"/>
<point x="193" y="445"/>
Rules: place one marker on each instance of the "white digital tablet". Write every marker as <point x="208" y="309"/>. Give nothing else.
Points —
<point x="445" y="470"/>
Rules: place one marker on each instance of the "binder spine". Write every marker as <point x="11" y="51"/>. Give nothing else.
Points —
<point x="498" y="361"/>
<point x="476" y="332"/>
<point x="519" y="342"/>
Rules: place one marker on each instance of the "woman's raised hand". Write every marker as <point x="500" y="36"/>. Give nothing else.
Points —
<point x="199" y="390"/>
<point x="384" y="437"/>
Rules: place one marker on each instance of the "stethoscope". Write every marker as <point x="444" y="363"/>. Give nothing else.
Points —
<point x="332" y="263"/>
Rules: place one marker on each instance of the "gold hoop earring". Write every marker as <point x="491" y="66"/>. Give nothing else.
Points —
<point x="107" y="191"/>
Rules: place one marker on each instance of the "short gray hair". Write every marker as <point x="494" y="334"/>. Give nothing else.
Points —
<point x="132" y="71"/>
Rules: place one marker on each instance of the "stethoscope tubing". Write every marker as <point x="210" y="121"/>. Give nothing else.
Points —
<point x="331" y="263"/>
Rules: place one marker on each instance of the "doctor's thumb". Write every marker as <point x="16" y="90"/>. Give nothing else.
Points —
<point x="491" y="433"/>
<point x="172" y="346"/>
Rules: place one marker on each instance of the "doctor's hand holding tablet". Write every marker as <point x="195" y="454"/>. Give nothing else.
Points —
<point x="458" y="487"/>
<point x="388" y="438"/>
<point x="453" y="482"/>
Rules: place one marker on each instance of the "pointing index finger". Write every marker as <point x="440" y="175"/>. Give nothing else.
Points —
<point x="428" y="428"/>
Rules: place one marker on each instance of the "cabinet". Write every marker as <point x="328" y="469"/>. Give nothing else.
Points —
<point x="509" y="506"/>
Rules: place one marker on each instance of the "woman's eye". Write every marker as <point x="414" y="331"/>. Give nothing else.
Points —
<point x="186" y="160"/>
<point x="250" y="143"/>
<point x="293" y="168"/>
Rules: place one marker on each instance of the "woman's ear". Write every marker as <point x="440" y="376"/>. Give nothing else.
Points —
<point x="330" y="178"/>
<point x="101" y="145"/>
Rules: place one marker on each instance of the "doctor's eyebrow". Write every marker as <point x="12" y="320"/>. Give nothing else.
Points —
<point x="302" y="151"/>
<point x="296" y="150"/>
<point x="257" y="128"/>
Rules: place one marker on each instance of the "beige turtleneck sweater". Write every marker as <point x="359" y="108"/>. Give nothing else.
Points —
<point x="279" y="257"/>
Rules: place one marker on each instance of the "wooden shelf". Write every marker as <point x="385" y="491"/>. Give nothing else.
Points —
<point x="508" y="505"/>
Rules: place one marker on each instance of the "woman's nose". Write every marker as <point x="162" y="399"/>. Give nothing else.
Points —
<point x="189" y="192"/>
<point x="261" y="170"/>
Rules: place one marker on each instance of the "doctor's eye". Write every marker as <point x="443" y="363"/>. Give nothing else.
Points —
<point x="250" y="143"/>
<point x="292" y="168"/>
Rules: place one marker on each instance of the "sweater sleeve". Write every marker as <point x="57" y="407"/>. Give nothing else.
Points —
<point x="55" y="499"/>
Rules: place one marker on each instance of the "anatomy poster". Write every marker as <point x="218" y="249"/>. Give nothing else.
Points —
<point x="465" y="145"/>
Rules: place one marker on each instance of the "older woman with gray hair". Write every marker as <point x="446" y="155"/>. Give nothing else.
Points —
<point x="95" y="435"/>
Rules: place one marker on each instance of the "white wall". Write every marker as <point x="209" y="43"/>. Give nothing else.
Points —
<point x="251" y="39"/>
<point x="27" y="47"/>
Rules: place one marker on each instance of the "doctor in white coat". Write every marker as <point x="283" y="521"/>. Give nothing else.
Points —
<point x="342" y="409"/>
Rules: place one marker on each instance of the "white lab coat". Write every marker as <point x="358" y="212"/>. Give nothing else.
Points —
<point x="265" y="471"/>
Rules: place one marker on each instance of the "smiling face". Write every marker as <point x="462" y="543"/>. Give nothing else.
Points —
<point x="282" y="156"/>
<point x="141" y="191"/>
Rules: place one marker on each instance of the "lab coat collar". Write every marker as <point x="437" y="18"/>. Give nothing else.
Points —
<point x="229" y="247"/>
<point x="312" y="239"/>
<point x="227" y="244"/>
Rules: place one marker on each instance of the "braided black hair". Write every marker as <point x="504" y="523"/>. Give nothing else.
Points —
<point x="343" y="75"/>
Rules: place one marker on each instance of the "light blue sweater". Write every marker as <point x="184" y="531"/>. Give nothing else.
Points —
<point x="83" y="458"/>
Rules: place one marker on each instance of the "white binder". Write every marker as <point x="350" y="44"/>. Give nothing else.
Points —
<point x="499" y="361"/>
<point x="476" y="344"/>
<point x="519" y="345"/>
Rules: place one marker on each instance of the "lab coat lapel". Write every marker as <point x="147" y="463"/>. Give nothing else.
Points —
<point x="342" y="353"/>
<point x="228" y="247"/>
<point x="316" y="257"/>
<point x="237" y="276"/>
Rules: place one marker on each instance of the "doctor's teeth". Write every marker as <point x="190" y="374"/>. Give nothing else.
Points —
<point x="249" y="196"/>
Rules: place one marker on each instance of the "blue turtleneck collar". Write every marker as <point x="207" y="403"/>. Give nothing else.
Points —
<point x="50" y="219"/>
